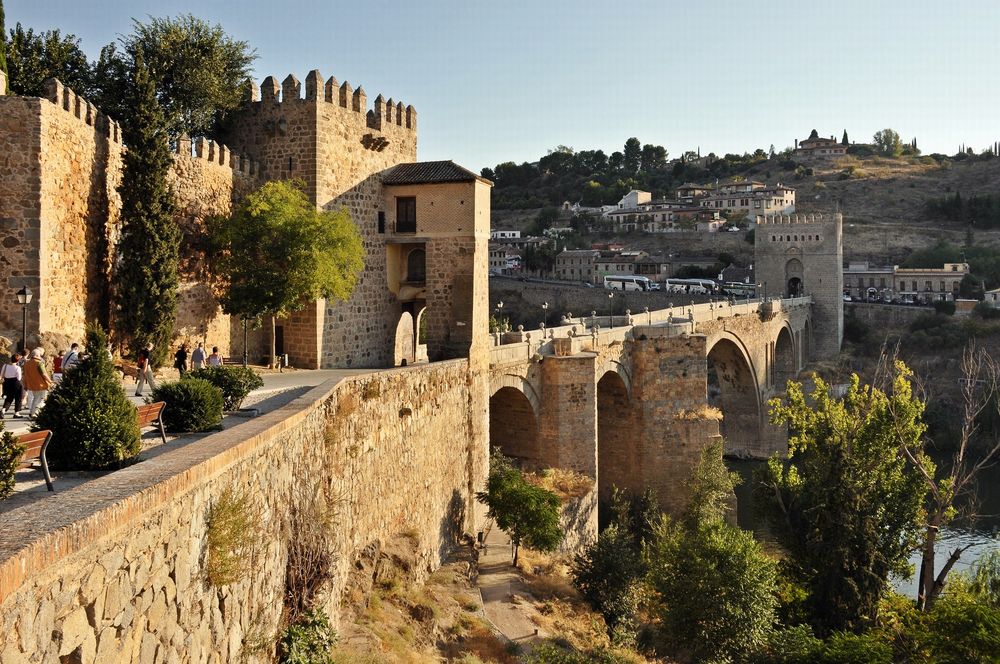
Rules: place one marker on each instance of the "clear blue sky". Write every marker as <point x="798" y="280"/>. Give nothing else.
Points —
<point x="507" y="80"/>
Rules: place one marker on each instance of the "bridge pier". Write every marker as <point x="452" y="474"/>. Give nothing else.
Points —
<point x="568" y="419"/>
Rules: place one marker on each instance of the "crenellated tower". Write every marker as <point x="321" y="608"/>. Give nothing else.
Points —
<point x="803" y="254"/>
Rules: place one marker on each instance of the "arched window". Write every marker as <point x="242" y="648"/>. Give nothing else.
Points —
<point x="416" y="266"/>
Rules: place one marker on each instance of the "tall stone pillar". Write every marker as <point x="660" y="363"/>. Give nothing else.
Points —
<point x="568" y="423"/>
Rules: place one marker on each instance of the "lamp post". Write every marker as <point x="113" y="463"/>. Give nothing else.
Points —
<point x="545" y="313"/>
<point x="24" y="299"/>
<point x="611" y="310"/>
<point x="500" y="324"/>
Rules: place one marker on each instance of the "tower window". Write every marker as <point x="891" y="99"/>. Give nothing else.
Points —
<point x="406" y="214"/>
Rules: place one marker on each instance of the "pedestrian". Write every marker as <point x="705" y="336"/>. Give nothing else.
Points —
<point x="215" y="360"/>
<point x="144" y="364"/>
<point x="198" y="357"/>
<point x="13" y="390"/>
<point x="71" y="358"/>
<point x="57" y="366"/>
<point x="181" y="360"/>
<point x="36" y="380"/>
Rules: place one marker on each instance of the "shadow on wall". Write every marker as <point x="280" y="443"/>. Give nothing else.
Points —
<point x="453" y="524"/>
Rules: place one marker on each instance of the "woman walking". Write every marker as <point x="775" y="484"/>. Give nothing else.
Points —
<point x="36" y="380"/>
<point x="13" y="390"/>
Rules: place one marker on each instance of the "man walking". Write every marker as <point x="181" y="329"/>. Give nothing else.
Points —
<point x="71" y="358"/>
<point x="145" y="366"/>
<point x="36" y="381"/>
<point x="198" y="357"/>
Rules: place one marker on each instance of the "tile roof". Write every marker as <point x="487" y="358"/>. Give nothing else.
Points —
<point x="428" y="172"/>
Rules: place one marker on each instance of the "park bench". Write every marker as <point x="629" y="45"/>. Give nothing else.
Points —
<point x="35" y="444"/>
<point x="151" y="415"/>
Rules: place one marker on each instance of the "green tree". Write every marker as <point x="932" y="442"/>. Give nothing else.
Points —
<point x="3" y="41"/>
<point x="528" y="513"/>
<point x="814" y="134"/>
<point x="608" y="574"/>
<point x="632" y="155"/>
<point x="844" y="141"/>
<point x="887" y="143"/>
<point x="149" y="248"/>
<point x="200" y="73"/>
<point x="846" y="505"/>
<point x="278" y="252"/>
<point x="653" y="158"/>
<point x="93" y="423"/>
<point x="34" y="57"/>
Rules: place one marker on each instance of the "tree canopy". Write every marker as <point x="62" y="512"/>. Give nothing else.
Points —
<point x="887" y="143"/>
<point x="33" y="57"/>
<point x="200" y="72"/>
<point x="846" y="505"/>
<point x="277" y="252"/>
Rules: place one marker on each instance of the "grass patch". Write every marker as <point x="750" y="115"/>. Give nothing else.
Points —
<point x="702" y="412"/>
<point x="233" y="525"/>
<point x="564" y="482"/>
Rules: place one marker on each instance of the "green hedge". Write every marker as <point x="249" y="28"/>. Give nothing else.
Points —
<point x="10" y="458"/>
<point x="235" y="382"/>
<point x="93" y="423"/>
<point x="193" y="405"/>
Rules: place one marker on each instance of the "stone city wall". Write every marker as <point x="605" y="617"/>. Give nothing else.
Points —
<point x="115" y="569"/>
<point x="885" y="316"/>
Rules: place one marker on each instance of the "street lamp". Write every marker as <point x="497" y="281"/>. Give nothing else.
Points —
<point x="24" y="299"/>
<point x="545" y="313"/>
<point x="611" y="310"/>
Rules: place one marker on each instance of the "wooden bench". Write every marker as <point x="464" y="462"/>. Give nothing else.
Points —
<point x="151" y="415"/>
<point x="35" y="444"/>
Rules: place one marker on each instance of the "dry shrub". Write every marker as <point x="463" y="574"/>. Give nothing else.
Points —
<point x="702" y="412"/>
<point x="233" y="528"/>
<point x="564" y="482"/>
<point x="310" y="559"/>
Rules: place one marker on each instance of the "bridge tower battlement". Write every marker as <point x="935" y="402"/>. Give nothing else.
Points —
<point x="804" y="254"/>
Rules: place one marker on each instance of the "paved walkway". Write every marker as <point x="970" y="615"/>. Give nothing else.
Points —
<point x="279" y="389"/>
<point x="507" y="601"/>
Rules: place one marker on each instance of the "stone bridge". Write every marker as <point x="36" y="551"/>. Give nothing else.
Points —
<point x="631" y="401"/>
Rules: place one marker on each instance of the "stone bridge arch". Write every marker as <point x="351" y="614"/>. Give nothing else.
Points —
<point x="618" y="437"/>
<point x="514" y="426"/>
<point x="785" y="358"/>
<point x="733" y="388"/>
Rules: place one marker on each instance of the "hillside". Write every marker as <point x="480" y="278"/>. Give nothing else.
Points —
<point x="884" y="202"/>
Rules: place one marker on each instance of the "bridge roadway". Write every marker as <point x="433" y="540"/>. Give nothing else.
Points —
<point x="632" y="401"/>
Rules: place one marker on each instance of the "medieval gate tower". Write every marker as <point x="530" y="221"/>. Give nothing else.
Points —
<point x="802" y="254"/>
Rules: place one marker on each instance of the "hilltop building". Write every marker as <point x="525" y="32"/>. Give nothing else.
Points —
<point x="817" y="146"/>
<point x="891" y="283"/>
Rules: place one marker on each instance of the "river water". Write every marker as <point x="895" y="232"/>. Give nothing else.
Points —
<point x="983" y="535"/>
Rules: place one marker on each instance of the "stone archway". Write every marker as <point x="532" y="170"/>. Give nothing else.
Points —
<point x="784" y="366"/>
<point x="732" y="388"/>
<point x="404" y="352"/>
<point x="514" y="428"/>
<point x="617" y="446"/>
<point x="794" y="275"/>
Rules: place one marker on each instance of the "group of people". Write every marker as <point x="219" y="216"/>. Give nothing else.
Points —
<point x="26" y="373"/>
<point x="183" y="361"/>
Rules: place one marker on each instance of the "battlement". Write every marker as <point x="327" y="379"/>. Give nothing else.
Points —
<point x="215" y="153"/>
<point x="317" y="91"/>
<point x="82" y="109"/>
<point x="794" y="219"/>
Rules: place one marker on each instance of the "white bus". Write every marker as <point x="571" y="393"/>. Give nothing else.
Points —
<point x="699" y="286"/>
<point x="627" y="283"/>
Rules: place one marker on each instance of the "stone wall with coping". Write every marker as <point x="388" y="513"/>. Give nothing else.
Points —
<point x="114" y="570"/>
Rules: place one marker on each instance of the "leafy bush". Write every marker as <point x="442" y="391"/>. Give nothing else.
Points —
<point x="929" y="321"/>
<point x="193" y="404"/>
<point x="944" y="307"/>
<point x="235" y="382"/>
<point x="792" y="645"/>
<point x="849" y="648"/>
<point x="231" y="532"/>
<point x="10" y="458"/>
<point x="309" y="640"/>
<point x="559" y="652"/>
<point x="608" y="574"/>
<point x="93" y="423"/>
<point x="986" y="312"/>
<point x="857" y="331"/>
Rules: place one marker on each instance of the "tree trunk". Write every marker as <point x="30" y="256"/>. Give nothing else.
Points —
<point x="926" y="581"/>
<point x="517" y="550"/>
<point x="273" y="342"/>
<point x="246" y="337"/>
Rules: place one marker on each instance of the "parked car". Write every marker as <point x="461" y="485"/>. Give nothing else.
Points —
<point x="847" y="298"/>
<point x="587" y="284"/>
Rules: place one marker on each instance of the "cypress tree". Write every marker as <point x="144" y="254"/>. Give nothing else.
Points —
<point x="148" y="252"/>
<point x="3" y="41"/>
<point x="843" y="141"/>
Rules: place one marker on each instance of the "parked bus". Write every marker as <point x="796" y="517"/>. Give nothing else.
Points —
<point x="693" y="286"/>
<point x="739" y="289"/>
<point x="627" y="283"/>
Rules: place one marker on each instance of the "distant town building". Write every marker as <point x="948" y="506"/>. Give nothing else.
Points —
<point x="498" y="259"/>
<point x="748" y="198"/>
<point x="634" y="199"/>
<point x="992" y="298"/>
<point x="816" y="146"/>
<point x="664" y="216"/>
<point x="891" y="283"/>
<point x="576" y="264"/>
<point x="505" y="235"/>
<point x="615" y="263"/>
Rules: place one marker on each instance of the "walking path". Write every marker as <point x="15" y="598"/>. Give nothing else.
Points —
<point x="279" y="389"/>
<point x="507" y="601"/>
